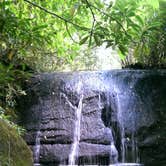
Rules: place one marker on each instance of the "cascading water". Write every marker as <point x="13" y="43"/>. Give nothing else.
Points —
<point x="126" y="164"/>
<point x="74" y="149"/>
<point x="133" y="96"/>
<point x="135" y="156"/>
<point x="113" y="150"/>
<point x="114" y="153"/>
<point x="125" y="150"/>
<point x="124" y="140"/>
<point x="122" y="131"/>
<point x="36" y="149"/>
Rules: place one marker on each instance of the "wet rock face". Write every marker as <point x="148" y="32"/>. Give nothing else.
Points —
<point x="50" y="107"/>
<point x="52" y="100"/>
<point x="141" y="99"/>
<point x="152" y="137"/>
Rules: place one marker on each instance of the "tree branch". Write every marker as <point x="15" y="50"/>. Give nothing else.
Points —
<point x="67" y="29"/>
<point x="110" y="17"/>
<point x="56" y="15"/>
<point x="93" y="23"/>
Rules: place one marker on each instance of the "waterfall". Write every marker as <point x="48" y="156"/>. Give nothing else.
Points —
<point x="122" y="130"/>
<point x="36" y="149"/>
<point x="76" y="138"/>
<point x="74" y="148"/>
<point x="135" y="155"/>
<point x="124" y="141"/>
<point x="126" y="164"/>
<point x="113" y="150"/>
<point x="114" y="153"/>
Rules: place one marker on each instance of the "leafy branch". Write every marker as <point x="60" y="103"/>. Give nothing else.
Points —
<point x="108" y="15"/>
<point x="68" y="31"/>
<point x="93" y="22"/>
<point x="57" y="16"/>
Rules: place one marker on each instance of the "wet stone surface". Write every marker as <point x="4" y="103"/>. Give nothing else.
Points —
<point x="140" y="97"/>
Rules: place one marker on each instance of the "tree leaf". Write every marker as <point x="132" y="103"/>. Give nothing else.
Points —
<point x="36" y="28"/>
<point x="83" y="40"/>
<point x="97" y="40"/>
<point x="139" y="19"/>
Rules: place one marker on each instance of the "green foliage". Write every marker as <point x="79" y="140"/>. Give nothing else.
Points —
<point x="50" y="35"/>
<point x="8" y="120"/>
<point x="13" y="151"/>
<point x="10" y="88"/>
<point x="150" y="50"/>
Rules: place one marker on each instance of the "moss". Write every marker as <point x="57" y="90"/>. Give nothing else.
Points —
<point x="13" y="149"/>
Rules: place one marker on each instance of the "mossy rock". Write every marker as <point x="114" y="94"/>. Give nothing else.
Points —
<point x="13" y="149"/>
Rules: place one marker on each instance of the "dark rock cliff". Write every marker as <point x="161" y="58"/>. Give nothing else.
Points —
<point x="132" y="99"/>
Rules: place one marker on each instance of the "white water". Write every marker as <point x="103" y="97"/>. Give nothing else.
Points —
<point x="77" y="126"/>
<point x="122" y="130"/>
<point x="133" y="139"/>
<point x="74" y="148"/>
<point x="135" y="155"/>
<point x="114" y="153"/>
<point x="36" y="149"/>
<point x="126" y="164"/>
<point x="113" y="150"/>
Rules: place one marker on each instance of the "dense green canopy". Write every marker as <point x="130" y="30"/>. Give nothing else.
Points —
<point x="46" y="35"/>
<point x="51" y="31"/>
